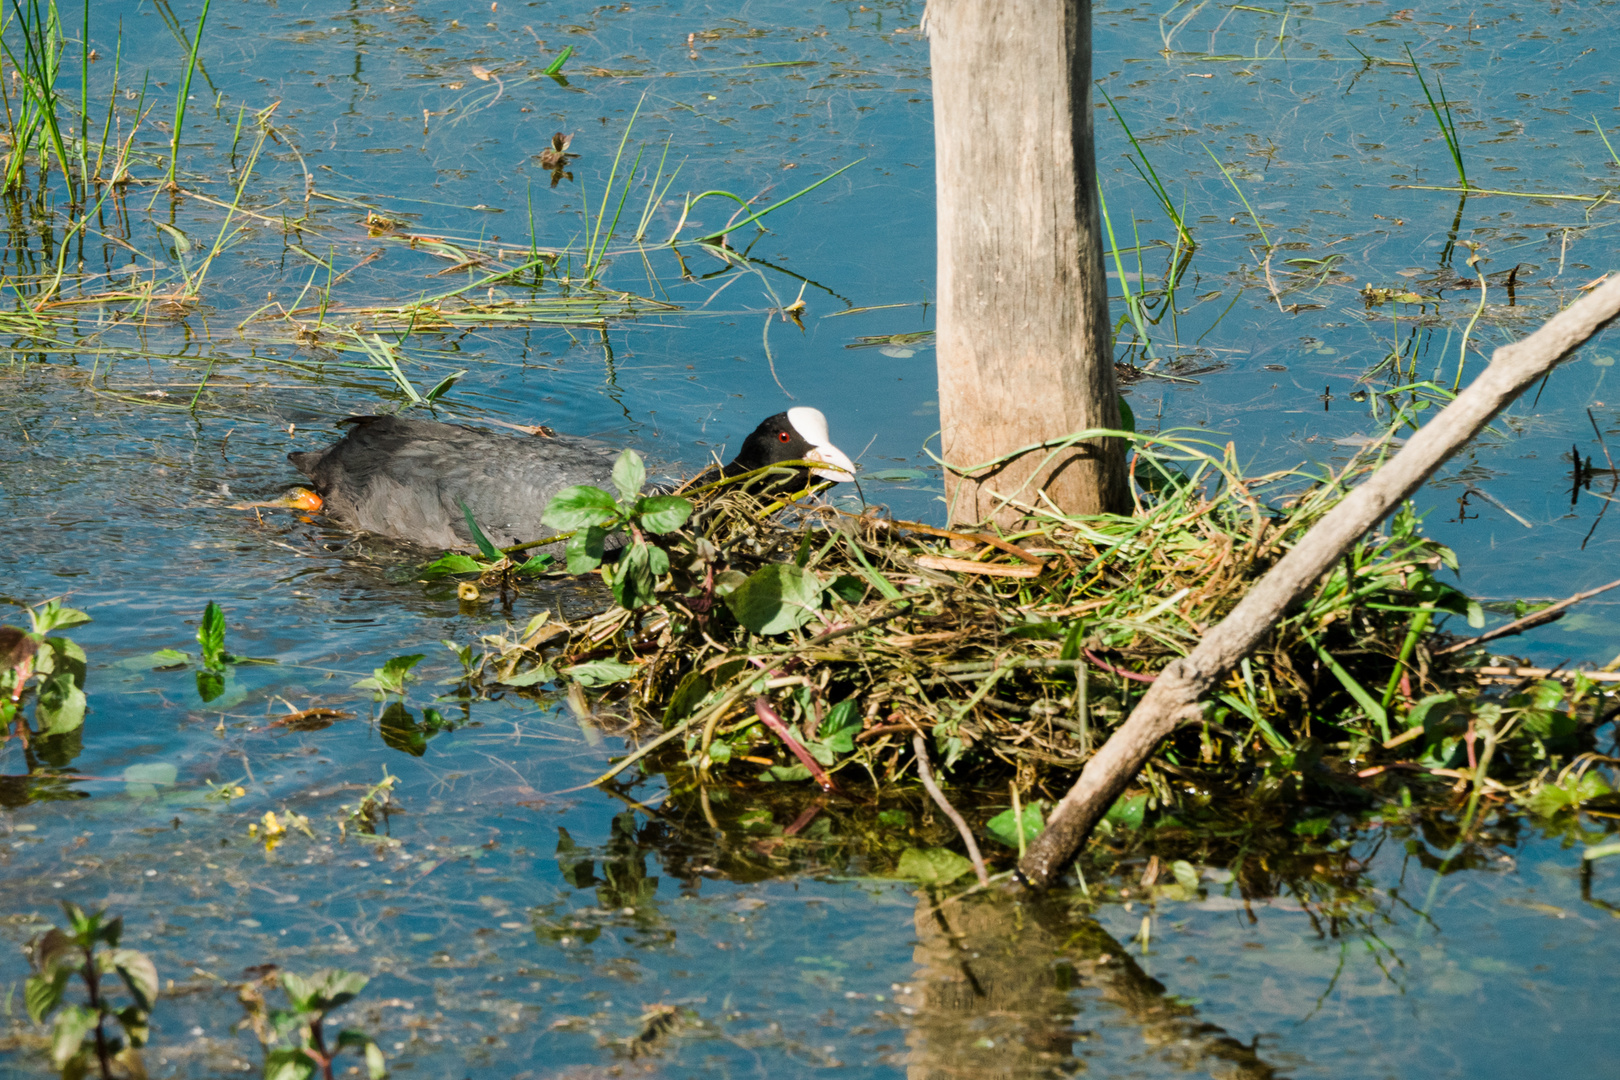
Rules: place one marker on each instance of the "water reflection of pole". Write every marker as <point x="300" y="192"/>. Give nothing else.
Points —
<point x="994" y="994"/>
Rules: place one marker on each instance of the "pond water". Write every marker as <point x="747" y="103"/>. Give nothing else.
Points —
<point x="517" y="926"/>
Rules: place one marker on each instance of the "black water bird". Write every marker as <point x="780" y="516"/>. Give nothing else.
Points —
<point x="410" y="479"/>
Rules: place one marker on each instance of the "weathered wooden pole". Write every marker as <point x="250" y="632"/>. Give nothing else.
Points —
<point x="1024" y="345"/>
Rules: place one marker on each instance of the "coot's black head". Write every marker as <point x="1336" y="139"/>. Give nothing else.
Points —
<point x="800" y="434"/>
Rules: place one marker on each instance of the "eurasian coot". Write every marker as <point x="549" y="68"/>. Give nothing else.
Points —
<point x="408" y="479"/>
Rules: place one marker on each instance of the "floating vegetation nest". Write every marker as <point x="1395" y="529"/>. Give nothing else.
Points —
<point x="814" y="645"/>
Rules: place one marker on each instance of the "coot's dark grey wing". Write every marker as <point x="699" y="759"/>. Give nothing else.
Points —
<point x="408" y="479"/>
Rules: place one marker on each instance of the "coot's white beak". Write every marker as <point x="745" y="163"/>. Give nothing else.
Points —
<point x="812" y="426"/>
<point x="839" y="468"/>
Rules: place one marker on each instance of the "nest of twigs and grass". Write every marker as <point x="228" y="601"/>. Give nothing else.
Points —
<point x="810" y="645"/>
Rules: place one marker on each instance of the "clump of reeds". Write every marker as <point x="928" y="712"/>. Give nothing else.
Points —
<point x="821" y="644"/>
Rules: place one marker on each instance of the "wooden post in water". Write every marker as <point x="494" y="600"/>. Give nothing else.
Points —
<point x="1024" y="345"/>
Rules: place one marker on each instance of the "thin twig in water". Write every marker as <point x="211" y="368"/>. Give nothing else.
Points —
<point x="1535" y="618"/>
<point x="920" y="745"/>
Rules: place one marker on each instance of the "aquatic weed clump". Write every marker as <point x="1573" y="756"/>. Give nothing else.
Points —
<point x="788" y="648"/>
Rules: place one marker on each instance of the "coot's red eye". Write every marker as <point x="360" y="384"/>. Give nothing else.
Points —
<point x="782" y="435"/>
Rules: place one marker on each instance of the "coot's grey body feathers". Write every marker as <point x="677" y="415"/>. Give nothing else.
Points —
<point x="408" y="479"/>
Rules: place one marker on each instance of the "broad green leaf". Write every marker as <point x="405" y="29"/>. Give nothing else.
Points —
<point x="335" y="987"/>
<point x="376" y="1063"/>
<point x="1006" y="826"/>
<point x="1128" y="813"/>
<point x="55" y="950"/>
<point x="1127" y="418"/>
<point x="776" y="598"/>
<point x="60" y="656"/>
<point x="1186" y="875"/>
<point x="932" y="866"/>
<point x="537" y="564"/>
<point x="542" y="674"/>
<point x="136" y="1023"/>
<point x="301" y="992"/>
<point x="285" y="1064"/>
<point x="73" y="1023"/>
<point x="53" y="616"/>
<point x="1550" y="798"/>
<point x="211" y="636"/>
<point x="165" y="659"/>
<point x="82" y="924"/>
<point x="452" y="563"/>
<point x="1419" y="714"/>
<point x="849" y="588"/>
<point x="663" y="513"/>
<point x="599" y="672"/>
<point x="485" y="548"/>
<point x="840" y="726"/>
<point x="138" y="973"/>
<point x="689" y="693"/>
<point x="584" y="549"/>
<point x="629" y="473"/>
<point x="633" y="577"/>
<point x="657" y="560"/>
<point x="578" y="506"/>
<point x="61" y="705"/>
<point x="42" y="993"/>
<point x="392" y="675"/>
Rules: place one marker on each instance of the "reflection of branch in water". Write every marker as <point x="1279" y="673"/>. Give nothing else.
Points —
<point x="615" y="392"/>
<point x="1586" y="890"/>
<point x="994" y="994"/>
<point x="1451" y="237"/>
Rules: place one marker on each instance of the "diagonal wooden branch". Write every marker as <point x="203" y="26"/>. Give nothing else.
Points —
<point x="1175" y="695"/>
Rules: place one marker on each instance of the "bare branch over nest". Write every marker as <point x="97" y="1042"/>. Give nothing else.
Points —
<point x="1175" y="695"/>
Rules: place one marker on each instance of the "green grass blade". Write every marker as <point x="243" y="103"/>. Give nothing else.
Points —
<point x="556" y="65"/>
<point x="1614" y="156"/>
<point x="185" y="92"/>
<point x="1151" y="175"/>
<point x="1447" y="126"/>
<point x="1252" y="215"/>
<point x="774" y="206"/>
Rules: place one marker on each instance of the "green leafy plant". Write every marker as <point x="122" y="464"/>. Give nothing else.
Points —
<point x="80" y="1042"/>
<point x="295" y="1039"/>
<point x="52" y="667"/>
<point x="1448" y="126"/>
<point x="391" y="677"/>
<point x="594" y="515"/>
